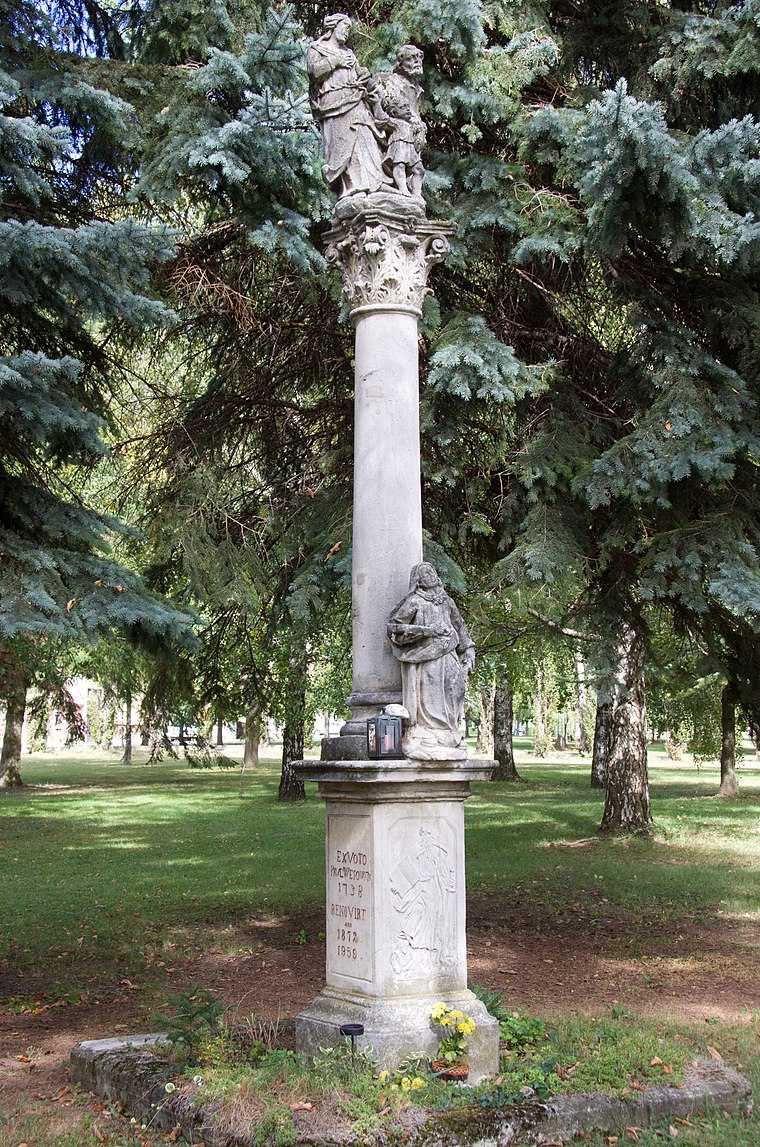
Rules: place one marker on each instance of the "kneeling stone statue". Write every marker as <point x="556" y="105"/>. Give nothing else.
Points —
<point x="433" y="644"/>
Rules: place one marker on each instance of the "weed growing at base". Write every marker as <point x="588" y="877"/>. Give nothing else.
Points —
<point x="252" y="1083"/>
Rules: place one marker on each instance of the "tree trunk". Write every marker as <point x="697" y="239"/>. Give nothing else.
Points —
<point x="291" y="785"/>
<point x="600" y="755"/>
<point x="108" y="720"/>
<point x="10" y="760"/>
<point x="126" y="756"/>
<point x="252" y="738"/>
<point x="502" y="730"/>
<point x="484" y="743"/>
<point x="627" y="808"/>
<point x="541" y="737"/>
<point x="582" y="695"/>
<point x="728" y="783"/>
<point x="219" y="731"/>
<point x="754" y="732"/>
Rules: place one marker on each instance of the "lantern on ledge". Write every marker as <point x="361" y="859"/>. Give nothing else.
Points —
<point x="384" y="737"/>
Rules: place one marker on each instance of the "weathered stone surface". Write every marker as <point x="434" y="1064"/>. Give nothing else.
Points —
<point x="433" y="644"/>
<point x="707" y="1085"/>
<point x="372" y="130"/>
<point x="122" y="1071"/>
<point x="395" y="914"/>
<point x="340" y="101"/>
<point x="384" y="246"/>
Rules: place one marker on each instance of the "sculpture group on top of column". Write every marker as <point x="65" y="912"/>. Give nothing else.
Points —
<point x="372" y="131"/>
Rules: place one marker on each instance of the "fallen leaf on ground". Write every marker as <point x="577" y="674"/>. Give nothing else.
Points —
<point x="302" y="1107"/>
<point x="655" y="1062"/>
<point x="713" y="1051"/>
<point x="23" y="1058"/>
<point x="633" y="1133"/>
<point x="668" y="1070"/>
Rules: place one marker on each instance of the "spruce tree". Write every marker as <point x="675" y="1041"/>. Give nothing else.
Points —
<point x="72" y="282"/>
<point x="602" y="164"/>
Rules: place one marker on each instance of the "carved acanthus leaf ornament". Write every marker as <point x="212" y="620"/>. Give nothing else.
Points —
<point x="385" y="261"/>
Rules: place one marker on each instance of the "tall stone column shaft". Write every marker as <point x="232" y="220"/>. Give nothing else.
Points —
<point x="387" y="519"/>
<point x="383" y="245"/>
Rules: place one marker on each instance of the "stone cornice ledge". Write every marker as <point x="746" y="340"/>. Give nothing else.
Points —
<point x="402" y="771"/>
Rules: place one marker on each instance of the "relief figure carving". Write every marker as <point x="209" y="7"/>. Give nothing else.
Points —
<point x="422" y="886"/>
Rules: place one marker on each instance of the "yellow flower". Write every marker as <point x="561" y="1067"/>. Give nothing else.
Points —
<point x="383" y="1075"/>
<point x="417" y="1083"/>
<point x="438" y="1011"/>
<point x="406" y="1083"/>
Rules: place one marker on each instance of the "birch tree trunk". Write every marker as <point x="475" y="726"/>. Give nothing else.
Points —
<point x="583" y="699"/>
<point x="502" y="730"/>
<point x="291" y="785"/>
<point x="600" y="754"/>
<point x="627" y="807"/>
<point x="484" y="743"/>
<point x="126" y="756"/>
<point x="728" y="783"/>
<point x="540" y="739"/>
<point x="10" y="759"/>
<point x="252" y="737"/>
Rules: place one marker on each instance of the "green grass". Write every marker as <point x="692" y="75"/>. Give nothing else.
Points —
<point x="109" y="863"/>
<point x="114" y="853"/>
<point x="705" y="854"/>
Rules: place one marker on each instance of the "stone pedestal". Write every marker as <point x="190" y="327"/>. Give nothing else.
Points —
<point x="396" y="908"/>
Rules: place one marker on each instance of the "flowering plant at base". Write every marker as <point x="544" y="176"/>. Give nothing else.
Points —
<point x="401" y="1081"/>
<point x="456" y="1027"/>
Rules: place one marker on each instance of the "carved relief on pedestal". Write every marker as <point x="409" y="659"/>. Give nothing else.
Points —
<point x="423" y="894"/>
<point x="385" y="258"/>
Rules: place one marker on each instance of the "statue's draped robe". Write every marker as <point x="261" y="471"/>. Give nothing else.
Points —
<point x="350" y="136"/>
<point x="433" y="676"/>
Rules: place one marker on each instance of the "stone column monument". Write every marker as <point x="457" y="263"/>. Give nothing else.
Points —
<point x="395" y="828"/>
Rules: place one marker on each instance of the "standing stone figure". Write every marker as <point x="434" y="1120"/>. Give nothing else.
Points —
<point x="436" y="652"/>
<point x="340" y="101"/>
<point x="397" y="108"/>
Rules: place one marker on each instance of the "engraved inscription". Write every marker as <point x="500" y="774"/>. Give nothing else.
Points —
<point x="349" y="885"/>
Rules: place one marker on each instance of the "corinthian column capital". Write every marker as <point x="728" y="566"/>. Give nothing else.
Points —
<point x="384" y="245"/>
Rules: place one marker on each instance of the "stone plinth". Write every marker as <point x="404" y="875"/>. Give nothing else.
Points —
<point x="396" y="908"/>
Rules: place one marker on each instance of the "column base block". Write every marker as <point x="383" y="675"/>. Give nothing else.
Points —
<point x="397" y="1027"/>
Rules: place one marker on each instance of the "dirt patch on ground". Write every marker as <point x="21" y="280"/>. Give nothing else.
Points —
<point x="588" y="958"/>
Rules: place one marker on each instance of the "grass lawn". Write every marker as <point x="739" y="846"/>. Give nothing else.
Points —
<point x="106" y="869"/>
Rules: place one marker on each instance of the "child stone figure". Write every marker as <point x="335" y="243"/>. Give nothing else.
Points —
<point x="396" y="98"/>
